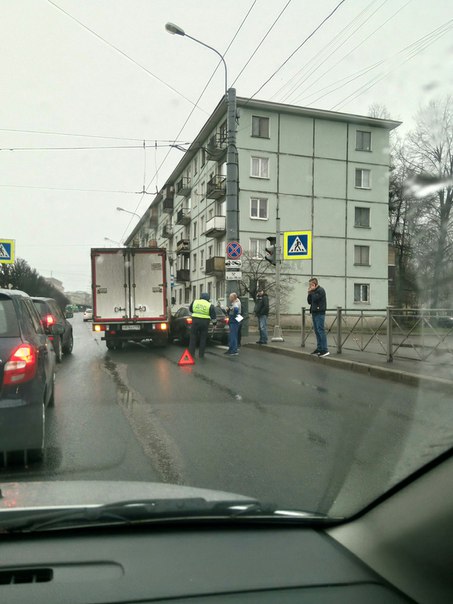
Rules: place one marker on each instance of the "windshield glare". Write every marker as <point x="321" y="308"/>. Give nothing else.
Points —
<point x="253" y="254"/>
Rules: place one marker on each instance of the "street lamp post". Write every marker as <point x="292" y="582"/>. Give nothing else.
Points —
<point x="128" y="212"/>
<point x="232" y="202"/>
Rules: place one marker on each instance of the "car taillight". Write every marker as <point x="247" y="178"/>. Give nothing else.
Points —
<point x="189" y="320"/>
<point x="21" y="366"/>
<point x="163" y="326"/>
<point x="227" y="320"/>
<point x="49" y="320"/>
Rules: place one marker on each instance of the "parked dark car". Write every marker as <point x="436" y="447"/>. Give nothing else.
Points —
<point x="27" y="377"/>
<point x="221" y="329"/>
<point x="52" y="316"/>
<point x="181" y="323"/>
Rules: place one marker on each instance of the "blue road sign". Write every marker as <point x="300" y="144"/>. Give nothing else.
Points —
<point x="297" y="245"/>
<point x="234" y="250"/>
<point x="7" y="251"/>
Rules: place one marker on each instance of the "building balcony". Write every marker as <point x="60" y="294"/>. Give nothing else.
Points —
<point x="183" y="247"/>
<point x="168" y="197"/>
<point x="216" y="187"/>
<point x="215" y="227"/>
<point x="167" y="231"/>
<point x="217" y="146"/>
<point x="215" y="266"/>
<point x="183" y="186"/>
<point x="183" y="216"/>
<point x="183" y="275"/>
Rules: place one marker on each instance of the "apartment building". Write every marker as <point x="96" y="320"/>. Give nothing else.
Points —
<point x="326" y="172"/>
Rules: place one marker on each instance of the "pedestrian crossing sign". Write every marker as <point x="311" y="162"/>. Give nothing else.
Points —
<point x="7" y="251"/>
<point x="297" y="245"/>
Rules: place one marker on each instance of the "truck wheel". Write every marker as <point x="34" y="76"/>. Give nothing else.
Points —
<point x="110" y="345"/>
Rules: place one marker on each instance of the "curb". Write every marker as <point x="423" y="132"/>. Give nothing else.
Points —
<point x="394" y="375"/>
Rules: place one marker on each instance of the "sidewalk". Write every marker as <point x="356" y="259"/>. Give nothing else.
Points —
<point x="437" y="374"/>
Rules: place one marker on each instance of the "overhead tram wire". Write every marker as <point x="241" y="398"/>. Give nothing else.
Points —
<point x="422" y="44"/>
<point x="121" y="52"/>
<point x="262" y="41"/>
<point x="318" y="27"/>
<point x="49" y="133"/>
<point x="290" y="82"/>
<point x="77" y="190"/>
<point x="297" y="99"/>
<point x="191" y="112"/>
<point x="90" y="148"/>
<point x="313" y="70"/>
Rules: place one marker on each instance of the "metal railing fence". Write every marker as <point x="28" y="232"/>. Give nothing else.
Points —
<point x="414" y="333"/>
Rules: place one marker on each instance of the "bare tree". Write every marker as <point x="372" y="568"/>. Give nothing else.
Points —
<point x="429" y="162"/>
<point x="258" y="273"/>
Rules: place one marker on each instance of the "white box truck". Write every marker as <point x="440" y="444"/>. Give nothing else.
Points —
<point x="130" y="295"/>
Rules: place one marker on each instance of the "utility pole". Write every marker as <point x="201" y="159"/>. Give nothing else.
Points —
<point x="232" y="201"/>
<point x="278" y="335"/>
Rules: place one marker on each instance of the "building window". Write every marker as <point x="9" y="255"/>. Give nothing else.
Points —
<point x="260" y="167"/>
<point x="194" y="292"/>
<point x="203" y="191"/>
<point x="195" y="165"/>
<point x="257" y="248"/>
<point x="362" y="255"/>
<point x="194" y="229"/>
<point x="202" y="259"/>
<point x="210" y="290"/>
<point x="258" y="208"/>
<point x="202" y="225"/>
<point x="203" y="156"/>
<point x="260" y="126"/>
<point x="210" y="213"/>
<point x="223" y="132"/>
<point x="362" y="217"/>
<point x="186" y="295"/>
<point x="180" y="296"/>
<point x="194" y="263"/>
<point x="362" y="140"/>
<point x="210" y="251"/>
<point x="362" y="178"/>
<point x="361" y="292"/>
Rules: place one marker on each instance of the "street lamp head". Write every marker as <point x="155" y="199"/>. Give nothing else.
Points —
<point x="174" y="29"/>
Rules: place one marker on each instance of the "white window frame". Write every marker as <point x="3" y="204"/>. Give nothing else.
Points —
<point x="359" y="135"/>
<point x="356" y="223"/>
<point x="363" y="172"/>
<point x="194" y="229"/>
<point x="359" y="250"/>
<point x="263" y="167"/>
<point x="254" y="247"/>
<point x="202" y="259"/>
<point x="261" y="201"/>
<point x="363" y="287"/>
<point x="259" y="118"/>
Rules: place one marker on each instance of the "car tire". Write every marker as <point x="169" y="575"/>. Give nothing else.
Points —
<point x="37" y="454"/>
<point x="51" y="402"/>
<point x="110" y="345"/>
<point x="67" y="349"/>
<point x="57" y="345"/>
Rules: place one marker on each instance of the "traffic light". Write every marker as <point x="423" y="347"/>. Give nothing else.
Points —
<point x="271" y="250"/>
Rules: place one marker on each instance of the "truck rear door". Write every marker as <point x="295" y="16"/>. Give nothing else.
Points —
<point x="148" y="290"/>
<point x="111" y="291"/>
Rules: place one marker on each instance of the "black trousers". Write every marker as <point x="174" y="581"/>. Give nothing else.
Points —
<point x="198" y="331"/>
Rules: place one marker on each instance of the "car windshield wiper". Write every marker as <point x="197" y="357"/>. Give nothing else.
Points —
<point x="147" y="510"/>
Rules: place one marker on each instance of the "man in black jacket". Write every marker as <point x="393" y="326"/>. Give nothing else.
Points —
<point x="261" y="311"/>
<point x="318" y="303"/>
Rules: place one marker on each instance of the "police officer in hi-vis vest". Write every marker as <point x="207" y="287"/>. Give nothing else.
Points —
<point x="202" y="312"/>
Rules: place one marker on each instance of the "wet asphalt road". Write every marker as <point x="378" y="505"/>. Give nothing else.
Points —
<point x="259" y="424"/>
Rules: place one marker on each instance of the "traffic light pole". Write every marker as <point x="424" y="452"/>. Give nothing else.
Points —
<point x="278" y="335"/>
<point x="232" y="202"/>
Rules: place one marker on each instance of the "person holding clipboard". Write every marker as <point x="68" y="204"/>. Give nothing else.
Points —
<point x="235" y="319"/>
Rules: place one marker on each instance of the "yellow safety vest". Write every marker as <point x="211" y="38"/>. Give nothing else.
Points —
<point x="200" y="309"/>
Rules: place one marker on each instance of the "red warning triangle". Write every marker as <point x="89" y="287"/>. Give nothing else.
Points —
<point x="186" y="359"/>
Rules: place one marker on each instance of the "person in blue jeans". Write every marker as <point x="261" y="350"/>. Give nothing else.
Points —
<point x="318" y="303"/>
<point x="233" y="311"/>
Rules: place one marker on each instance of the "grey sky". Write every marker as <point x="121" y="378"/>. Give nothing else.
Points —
<point x="59" y="77"/>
